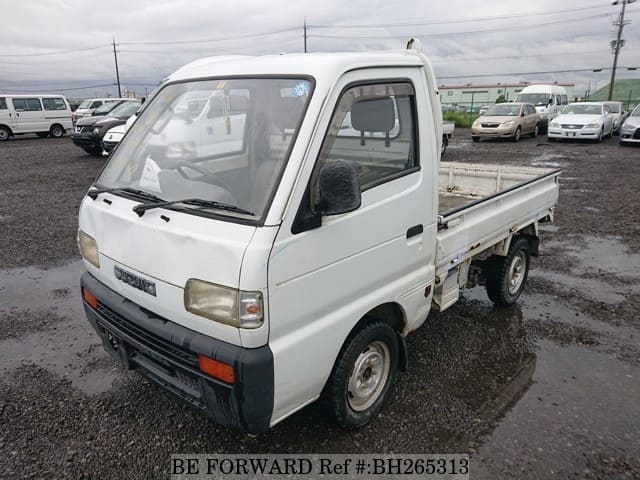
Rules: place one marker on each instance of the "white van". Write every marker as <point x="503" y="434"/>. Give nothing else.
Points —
<point x="548" y="100"/>
<point x="44" y="115"/>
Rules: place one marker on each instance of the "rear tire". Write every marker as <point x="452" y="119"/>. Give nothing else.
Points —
<point x="445" y="142"/>
<point x="507" y="276"/>
<point x="536" y="132"/>
<point x="56" y="131"/>
<point x="475" y="139"/>
<point x="363" y="375"/>
<point x="5" y="133"/>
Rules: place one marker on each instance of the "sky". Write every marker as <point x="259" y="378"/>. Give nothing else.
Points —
<point x="67" y="45"/>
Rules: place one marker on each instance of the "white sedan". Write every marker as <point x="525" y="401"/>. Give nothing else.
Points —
<point x="586" y="121"/>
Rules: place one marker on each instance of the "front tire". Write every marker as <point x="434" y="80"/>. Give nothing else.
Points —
<point x="475" y="139"/>
<point x="507" y="276"/>
<point x="516" y="135"/>
<point x="363" y="375"/>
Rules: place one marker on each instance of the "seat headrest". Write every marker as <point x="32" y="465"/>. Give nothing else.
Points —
<point x="287" y="113"/>
<point x="373" y="114"/>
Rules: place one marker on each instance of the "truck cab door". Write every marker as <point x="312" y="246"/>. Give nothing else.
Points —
<point x="324" y="278"/>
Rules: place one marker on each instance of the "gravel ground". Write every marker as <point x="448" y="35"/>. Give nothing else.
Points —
<point x="547" y="389"/>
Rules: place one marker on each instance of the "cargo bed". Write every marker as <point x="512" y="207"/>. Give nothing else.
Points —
<point x="482" y="205"/>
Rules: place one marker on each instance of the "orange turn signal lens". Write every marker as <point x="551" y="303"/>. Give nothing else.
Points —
<point x="216" y="369"/>
<point x="90" y="298"/>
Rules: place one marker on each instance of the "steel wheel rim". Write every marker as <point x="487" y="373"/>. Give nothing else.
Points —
<point x="516" y="272"/>
<point x="56" y="131"/>
<point x="3" y="134"/>
<point x="368" y="376"/>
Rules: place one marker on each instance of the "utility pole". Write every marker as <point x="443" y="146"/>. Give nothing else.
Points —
<point x="115" y="57"/>
<point x="617" y="44"/>
<point x="305" y="34"/>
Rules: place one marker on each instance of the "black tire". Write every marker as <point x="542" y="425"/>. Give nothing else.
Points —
<point x="56" y="131"/>
<point x="445" y="142"/>
<point x="536" y="131"/>
<point x="475" y="139"/>
<point x="42" y="134"/>
<point x="5" y="133"/>
<point x="601" y="136"/>
<point x="500" y="273"/>
<point x="516" y="135"/>
<point x="95" y="151"/>
<point x="337" y="393"/>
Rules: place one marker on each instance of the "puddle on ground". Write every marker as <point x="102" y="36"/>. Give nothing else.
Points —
<point x="68" y="347"/>
<point x="596" y="255"/>
<point x="549" y="159"/>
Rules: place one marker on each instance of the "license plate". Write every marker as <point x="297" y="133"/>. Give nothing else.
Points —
<point x="570" y="134"/>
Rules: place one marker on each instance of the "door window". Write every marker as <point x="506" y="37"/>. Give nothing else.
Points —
<point x="54" y="104"/>
<point x="3" y="104"/>
<point x="27" y="104"/>
<point x="96" y="104"/>
<point x="374" y="126"/>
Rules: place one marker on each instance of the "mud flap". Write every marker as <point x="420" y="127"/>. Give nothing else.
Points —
<point x="403" y="358"/>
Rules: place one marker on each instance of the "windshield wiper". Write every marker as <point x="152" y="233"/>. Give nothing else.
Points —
<point x="140" y="209"/>
<point x="93" y="194"/>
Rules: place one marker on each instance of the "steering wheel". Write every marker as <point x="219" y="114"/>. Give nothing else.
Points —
<point x="210" y="178"/>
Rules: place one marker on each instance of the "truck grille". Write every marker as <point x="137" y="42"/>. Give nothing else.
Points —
<point x="152" y="342"/>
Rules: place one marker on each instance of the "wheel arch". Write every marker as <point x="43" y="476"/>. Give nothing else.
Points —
<point x="393" y="315"/>
<point x="3" y="125"/>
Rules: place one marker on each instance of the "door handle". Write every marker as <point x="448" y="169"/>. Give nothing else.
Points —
<point x="415" y="230"/>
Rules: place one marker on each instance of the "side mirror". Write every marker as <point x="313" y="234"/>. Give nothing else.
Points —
<point x="339" y="187"/>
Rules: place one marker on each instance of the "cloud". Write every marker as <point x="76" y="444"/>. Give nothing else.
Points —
<point x="468" y="45"/>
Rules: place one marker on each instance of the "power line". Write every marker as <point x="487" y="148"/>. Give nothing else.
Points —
<point x="466" y="20"/>
<point x="212" y="40"/>
<point x="487" y="30"/>
<point x="513" y="74"/>
<point x="59" y="52"/>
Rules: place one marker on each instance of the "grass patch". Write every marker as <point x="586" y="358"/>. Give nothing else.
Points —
<point x="461" y="119"/>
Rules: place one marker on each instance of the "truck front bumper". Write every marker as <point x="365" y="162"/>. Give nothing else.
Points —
<point x="168" y="354"/>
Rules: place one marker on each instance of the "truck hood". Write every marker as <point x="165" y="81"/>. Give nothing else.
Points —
<point x="186" y="246"/>
<point x="578" y="119"/>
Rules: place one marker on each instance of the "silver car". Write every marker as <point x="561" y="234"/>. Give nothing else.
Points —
<point x="630" y="128"/>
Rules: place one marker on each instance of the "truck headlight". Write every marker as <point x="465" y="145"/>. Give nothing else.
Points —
<point x="594" y="125"/>
<point x="88" y="248"/>
<point x="510" y="123"/>
<point x="554" y="124"/>
<point x="223" y="304"/>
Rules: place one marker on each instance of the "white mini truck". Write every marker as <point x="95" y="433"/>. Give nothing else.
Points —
<point x="271" y="229"/>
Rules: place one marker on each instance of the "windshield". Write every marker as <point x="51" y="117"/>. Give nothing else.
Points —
<point x="125" y="110"/>
<point x="221" y="141"/>
<point x="614" y="107"/>
<point x="104" y="108"/>
<point x="636" y="112"/>
<point x="503" y="110"/>
<point x="538" y="99"/>
<point x="85" y="104"/>
<point x="582" y="109"/>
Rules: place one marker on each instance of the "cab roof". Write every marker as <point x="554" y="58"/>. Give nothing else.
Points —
<point x="317" y="65"/>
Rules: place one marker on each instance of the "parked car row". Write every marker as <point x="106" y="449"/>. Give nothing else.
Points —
<point x="584" y="120"/>
<point x="90" y="131"/>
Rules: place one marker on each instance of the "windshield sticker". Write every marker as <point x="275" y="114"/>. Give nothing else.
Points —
<point x="301" y="89"/>
<point x="149" y="178"/>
